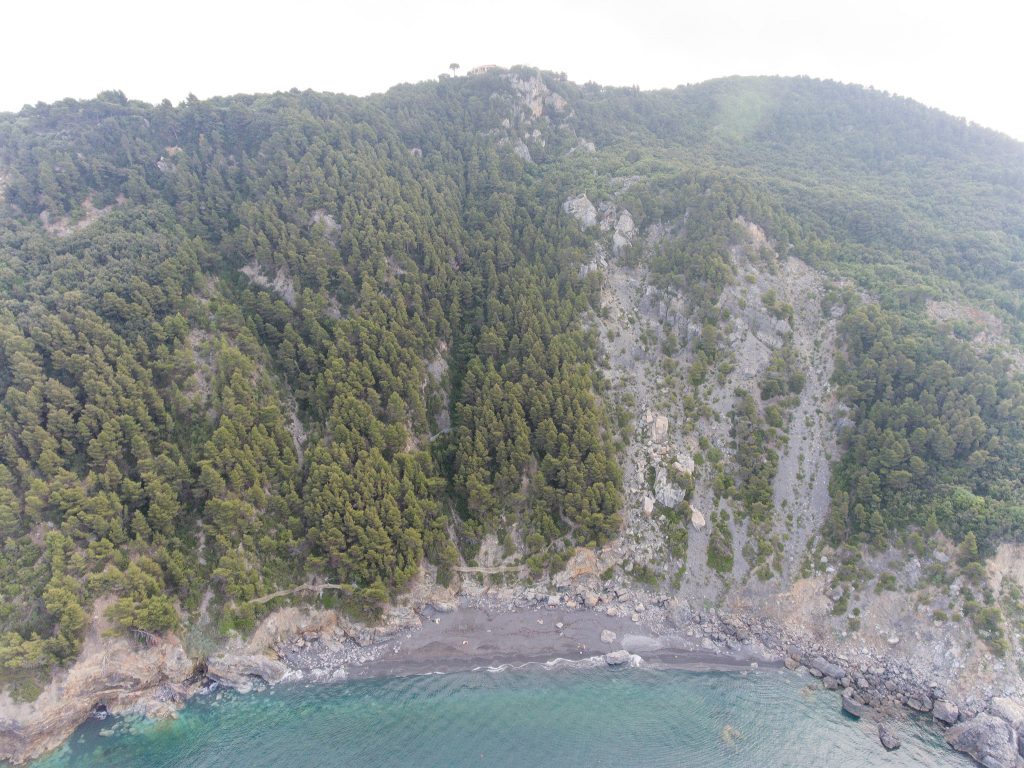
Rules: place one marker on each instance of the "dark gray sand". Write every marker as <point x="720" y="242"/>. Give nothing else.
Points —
<point x="471" y="638"/>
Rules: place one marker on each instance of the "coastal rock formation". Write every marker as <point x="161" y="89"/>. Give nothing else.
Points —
<point x="888" y="737"/>
<point x="1008" y="710"/>
<point x="988" y="739"/>
<point x="241" y="671"/>
<point x="119" y="675"/>
<point x="617" y="658"/>
<point x="853" y="707"/>
<point x="826" y="668"/>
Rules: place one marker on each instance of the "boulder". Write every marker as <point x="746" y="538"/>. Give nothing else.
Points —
<point x="697" y="519"/>
<point x="853" y="707"/>
<point x="945" y="712"/>
<point x="617" y="658"/>
<point x="988" y="739"/>
<point x="684" y="464"/>
<point x="1009" y="710"/>
<point x="888" y="737"/>
<point x="827" y="668"/>
<point x="920" y="703"/>
<point x="607" y="636"/>
<point x="239" y="671"/>
<point x="619" y="243"/>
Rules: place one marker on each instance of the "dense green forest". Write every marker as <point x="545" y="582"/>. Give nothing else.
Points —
<point x="252" y="341"/>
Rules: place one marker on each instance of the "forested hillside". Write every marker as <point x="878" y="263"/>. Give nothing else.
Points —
<point x="250" y="342"/>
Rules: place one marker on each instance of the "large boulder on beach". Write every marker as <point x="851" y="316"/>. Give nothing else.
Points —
<point x="888" y="737"/>
<point x="987" y="738"/>
<point x="827" y="668"/>
<point x="618" y="658"/>
<point x="607" y="636"/>
<point x="945" y="712"/>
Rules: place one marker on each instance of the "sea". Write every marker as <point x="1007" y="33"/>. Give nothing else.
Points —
<point x="527" y="717"/>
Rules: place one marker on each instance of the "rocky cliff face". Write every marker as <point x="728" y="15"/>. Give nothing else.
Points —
<point x="113" y="675"/>
<point x="154" y="679"/>
<point x="773" y="304"/>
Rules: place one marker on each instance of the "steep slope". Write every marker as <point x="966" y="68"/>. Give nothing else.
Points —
<point x="722" y="340"/>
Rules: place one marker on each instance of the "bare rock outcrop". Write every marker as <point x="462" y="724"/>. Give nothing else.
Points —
<point x="988" y="739"/>
<point x="581" y="209"/>
<point x="697" y="519"/>
<point x="241" y="671"/>
<point x="119" y="675"/>
<point x="281" y="284"/>
<point x="1008" y="710"/>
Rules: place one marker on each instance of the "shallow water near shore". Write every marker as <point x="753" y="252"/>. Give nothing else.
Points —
<point x="529" y="717"/>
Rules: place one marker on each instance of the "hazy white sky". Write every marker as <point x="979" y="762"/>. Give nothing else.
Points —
<point x="962" y="57"/>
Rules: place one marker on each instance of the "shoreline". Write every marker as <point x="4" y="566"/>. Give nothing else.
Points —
<point x="472" y="633"/>
<point x="471" y="638"/>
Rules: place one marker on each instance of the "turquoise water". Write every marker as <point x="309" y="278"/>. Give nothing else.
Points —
<point x="533" y="717"/>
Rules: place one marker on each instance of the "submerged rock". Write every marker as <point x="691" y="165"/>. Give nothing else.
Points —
<point x="729" y="735"/>
<point x="888" y="737"/>
<point x="853" y="707"/>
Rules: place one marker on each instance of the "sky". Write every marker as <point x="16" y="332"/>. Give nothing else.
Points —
<point x="961" y="57"/>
